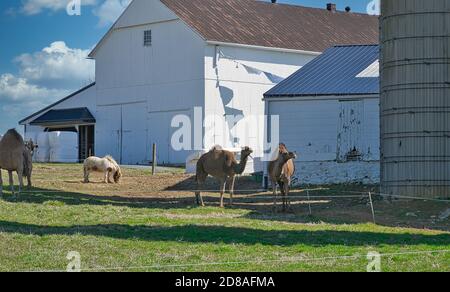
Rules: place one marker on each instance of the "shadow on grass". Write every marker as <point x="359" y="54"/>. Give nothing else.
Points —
<point x="231" y="235"/>
<point x="333" y="211"/>
<point x="244" y="185"/>
<point x="41" y="196"/>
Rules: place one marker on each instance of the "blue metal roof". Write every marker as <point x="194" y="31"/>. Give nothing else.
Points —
<point x="332" y="73"/>
<point x="65" y="116"/>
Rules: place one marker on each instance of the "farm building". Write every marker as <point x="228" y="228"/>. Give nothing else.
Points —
<point x="329" y="114"/>
<point x="193" y="60"/>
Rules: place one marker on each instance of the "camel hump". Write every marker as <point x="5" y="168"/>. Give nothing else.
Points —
<point x="216" y="148"/>
<point x="12" y="139"/>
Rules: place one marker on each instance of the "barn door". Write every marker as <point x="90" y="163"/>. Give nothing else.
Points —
<point x="350" y="131"/>
<point x="134" y="133"/>
<point x="108" y="129"/>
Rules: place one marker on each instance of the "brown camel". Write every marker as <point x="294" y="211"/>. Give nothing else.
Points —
<point x="12" y="148"/>
<point x="222" y="165"/>
<point x="281" y="171"/>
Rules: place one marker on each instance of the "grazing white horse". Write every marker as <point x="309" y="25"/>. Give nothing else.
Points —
<point x="106" y="165"/>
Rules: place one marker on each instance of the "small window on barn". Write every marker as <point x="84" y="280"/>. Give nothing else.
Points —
<point x="147" y="38"/>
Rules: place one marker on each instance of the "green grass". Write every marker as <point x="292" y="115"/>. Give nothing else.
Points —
<point x="38" y="230"/>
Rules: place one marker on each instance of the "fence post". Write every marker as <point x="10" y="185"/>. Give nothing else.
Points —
<point x="371" y="206"/>
<point x="154" y="163"/>
<point x="309" y="202"/>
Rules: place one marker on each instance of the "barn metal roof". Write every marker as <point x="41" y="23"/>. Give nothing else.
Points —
<point x="336" y="72"/>
<point x="261" y="23"/>
<point x="65" y="116"/>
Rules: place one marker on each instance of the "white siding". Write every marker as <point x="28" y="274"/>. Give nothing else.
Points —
<point x="315" y="129"/>
<point x="232" y="90"/>
<point x="165" y="79"/>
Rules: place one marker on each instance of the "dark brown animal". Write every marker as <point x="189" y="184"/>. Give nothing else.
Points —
<point x="222" y="165"/>
<point x="280" y="172"/>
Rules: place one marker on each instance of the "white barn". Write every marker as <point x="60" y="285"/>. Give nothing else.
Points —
<point x="164" y="58"/>
<point x="329" y="114"/>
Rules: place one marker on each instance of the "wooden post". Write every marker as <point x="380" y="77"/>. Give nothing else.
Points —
<point x="154" y="163"/>
<point x="371" y="206"/>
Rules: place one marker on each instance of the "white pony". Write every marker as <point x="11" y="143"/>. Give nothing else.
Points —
<point x="107" y="165"/>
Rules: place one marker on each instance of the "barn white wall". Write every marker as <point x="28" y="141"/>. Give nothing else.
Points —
<point x="140" y="89"/>
<point x="316" y="130"/>
<point x="231" y="90"/>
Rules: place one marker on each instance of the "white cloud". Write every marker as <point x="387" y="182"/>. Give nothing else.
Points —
<point x="32" y="7"/>
<point x="17" y="89"/>
<point x="44" y="77"/>
<point x="57" y="65"/>
<point x="110" y="10"/>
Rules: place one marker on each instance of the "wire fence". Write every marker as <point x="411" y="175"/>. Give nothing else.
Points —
<point x="297" y="259"/>
<point x="309" y="196"/>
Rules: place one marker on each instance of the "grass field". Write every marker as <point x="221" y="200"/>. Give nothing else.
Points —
<point x="150" y="224"/>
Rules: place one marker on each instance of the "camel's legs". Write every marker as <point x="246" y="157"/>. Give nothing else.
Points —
<point x="29" y="181"/>
<point x="199" y="199"/>
<point x="274" y="191"/>
<point x="198" y="195"/>
<point x="286" y="194"/>
<point x="232" y="182"/>
<point x="20" y="175"/>
<point x="223" y="185"/>
<point x="1" y="183"/>
<point x="11" y="181"/>
<point x="283" y="194"/>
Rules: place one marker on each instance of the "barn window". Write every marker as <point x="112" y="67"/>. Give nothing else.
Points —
<point x="147" y="38"/>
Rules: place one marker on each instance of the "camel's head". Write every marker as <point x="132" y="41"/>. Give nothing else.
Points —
<point x="288" y="156"/>
<point x="246" y="152"/>
<point x="282" y="148"/>
<point x="31" y="146"/>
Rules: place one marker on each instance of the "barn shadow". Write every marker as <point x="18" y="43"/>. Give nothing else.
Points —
<point x="230" y="235"/>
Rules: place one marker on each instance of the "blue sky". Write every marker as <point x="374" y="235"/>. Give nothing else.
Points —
<point x="43" y="49"/>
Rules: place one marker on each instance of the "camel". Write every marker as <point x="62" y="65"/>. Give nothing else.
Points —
<point x="280" y="172"/>
<point x="107" y="165"/>
<point x="28" y="161"/>
<point x="12" y="149"/>
<point x="222" y="165"/>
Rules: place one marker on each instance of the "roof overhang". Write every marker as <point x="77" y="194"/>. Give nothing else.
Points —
<point x="282" y="50"/>
<point x="64" y="117"/>
<point x="322" y="97"/>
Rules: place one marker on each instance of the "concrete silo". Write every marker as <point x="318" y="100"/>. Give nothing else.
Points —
<point x="415" y="98"/>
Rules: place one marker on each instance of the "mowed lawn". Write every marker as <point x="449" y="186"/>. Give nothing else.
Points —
<point x="150" y="224"/>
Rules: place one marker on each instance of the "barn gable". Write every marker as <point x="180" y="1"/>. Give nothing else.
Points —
<point x="137" y="13"/>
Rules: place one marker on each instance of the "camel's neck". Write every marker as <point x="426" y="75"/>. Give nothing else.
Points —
<point x="239" y="168"/>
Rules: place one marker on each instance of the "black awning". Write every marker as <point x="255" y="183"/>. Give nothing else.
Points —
<point x="71" y="116"/>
